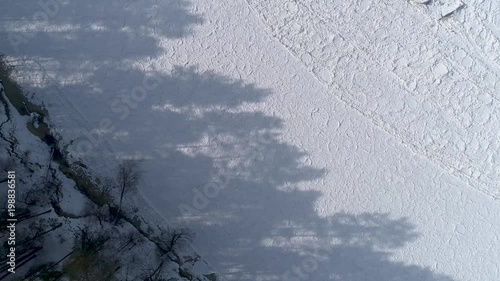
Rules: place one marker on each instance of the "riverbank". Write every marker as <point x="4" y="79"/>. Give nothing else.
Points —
<point x="74" y="180"/>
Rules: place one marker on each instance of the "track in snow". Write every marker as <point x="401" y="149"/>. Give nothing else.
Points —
<point x="431" y="83"/>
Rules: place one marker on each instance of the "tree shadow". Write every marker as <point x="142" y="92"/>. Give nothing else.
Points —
<point x="201" y="133"/>
<point x="67" y="43"/>
<point x="98" y="28"/>
<point x="358" y="247"/>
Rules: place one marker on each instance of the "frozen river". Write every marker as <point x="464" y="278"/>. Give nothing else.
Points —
<point x="301" y="140"/>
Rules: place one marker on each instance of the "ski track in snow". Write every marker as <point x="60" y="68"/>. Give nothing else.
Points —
<point x="438" y="88"/>
<point x="316" y="140"/>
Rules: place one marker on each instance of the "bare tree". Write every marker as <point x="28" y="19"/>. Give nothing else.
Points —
<point x="88" y="263"/>
<point x="151" y="271"/>
<point x="174" y="239"/>
<point x="107" y="185"/>
<point x="129" y="175"/>
<point x="32" y="235"/>
<point x="100" y="213"/>
<point x="42" y="193"/>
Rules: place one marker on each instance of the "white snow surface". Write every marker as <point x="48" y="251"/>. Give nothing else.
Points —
<point x="359" y="140"/>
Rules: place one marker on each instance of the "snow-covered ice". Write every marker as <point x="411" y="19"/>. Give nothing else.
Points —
<point x="303" y="140"/>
